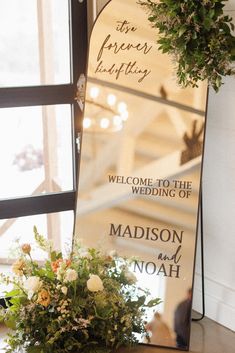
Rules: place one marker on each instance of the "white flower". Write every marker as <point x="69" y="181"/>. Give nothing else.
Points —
<point x="59" y="275"/>
<point x="32" y="285"/>
<point x="113" y="253"/>
<point x="64" y="290"/>
<point x="95" y="284"/>
<point x="131" y="278"/>
<point x="85" y="254"/>
<point x="30" y="294"/>
<point x="70" y="275"/>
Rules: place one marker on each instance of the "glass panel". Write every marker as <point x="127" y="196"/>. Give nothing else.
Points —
<point x="35" y="150"/>
<point x="58" y="227"/>
<point x="40" y="28"/>
<point x="55" y="226"/>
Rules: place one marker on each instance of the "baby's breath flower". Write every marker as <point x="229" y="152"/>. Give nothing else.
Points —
<point x="64" y="290"/>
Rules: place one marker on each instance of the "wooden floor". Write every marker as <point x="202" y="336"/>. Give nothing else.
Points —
<point x="206" y="337"/>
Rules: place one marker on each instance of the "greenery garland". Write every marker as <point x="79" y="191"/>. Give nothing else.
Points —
<point x="197" y="35"/>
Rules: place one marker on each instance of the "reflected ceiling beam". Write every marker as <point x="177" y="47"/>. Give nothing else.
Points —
<point x="162" y="213"/>
<point x="146" y="96"/>
<point x="110" y="195"/>
<point x="177" y="121"/>
<point x="126" y="160"/>
<point x="138" y="125"/>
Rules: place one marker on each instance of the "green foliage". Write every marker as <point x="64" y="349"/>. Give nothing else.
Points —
<point x="197" y="35"/>
<point x="54" y="308"/>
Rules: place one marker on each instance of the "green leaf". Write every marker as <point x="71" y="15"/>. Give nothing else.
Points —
<point x="212" y="13"/>
<point x="35" y="349"/>
<point x="152" y="18"/>
<point x="13" y="293"/>
<point x="226" y="28"/>
<point x="207" y="23"/>
<point x="53" y="256"/>
<point x="141" y="300"/>
<point x="154" y="302"/>
<point x="10" y="323"/>
<point x="182" y="30"/>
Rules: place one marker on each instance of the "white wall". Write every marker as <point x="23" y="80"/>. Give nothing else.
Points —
<point x="219" y="206"/>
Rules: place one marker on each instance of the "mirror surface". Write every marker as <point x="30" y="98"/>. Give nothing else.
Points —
<point x="140" y="165"/>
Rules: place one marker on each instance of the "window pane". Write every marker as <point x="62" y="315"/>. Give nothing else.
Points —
<point x="34" y="42"/>
<point x="58" y="227"/>
<point x="55" y="226"/>
<point x="35" y="150"/>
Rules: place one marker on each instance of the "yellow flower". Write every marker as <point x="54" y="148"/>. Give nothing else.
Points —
<point x="26" y="248"/>
<point x="44" y="298"/>
<point x="18" y="267"/>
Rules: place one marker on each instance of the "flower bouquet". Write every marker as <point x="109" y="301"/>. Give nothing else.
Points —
<point x="88" y="303"/>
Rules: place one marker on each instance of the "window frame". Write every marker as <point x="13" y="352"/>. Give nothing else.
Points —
<point x="53" y="95"/>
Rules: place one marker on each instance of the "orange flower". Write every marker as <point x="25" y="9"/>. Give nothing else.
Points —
<point x="44" y="298"/>
<point x="26" y="248"/>
<point x="55" y="265"/>
<point x="68" y="263"/>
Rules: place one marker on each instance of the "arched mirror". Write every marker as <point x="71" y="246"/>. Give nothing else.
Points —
<point x="140" y="168"/>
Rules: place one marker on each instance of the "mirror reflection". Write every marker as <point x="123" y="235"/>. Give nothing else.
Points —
<point x="140" y="165"/>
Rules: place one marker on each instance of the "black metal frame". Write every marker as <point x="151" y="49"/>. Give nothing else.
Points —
<point x="202" y="259"/>
<point x="51" y="95"/>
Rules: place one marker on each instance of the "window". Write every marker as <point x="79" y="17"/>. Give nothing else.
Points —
<point x="43" y="46"/>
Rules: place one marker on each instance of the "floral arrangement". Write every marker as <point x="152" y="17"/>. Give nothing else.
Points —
<point x="197" y="35"/>
<point x="88" y="303"/>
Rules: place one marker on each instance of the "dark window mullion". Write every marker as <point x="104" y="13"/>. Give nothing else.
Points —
<point x="36" y="95"/>
<point x="79" y="46"/>
<point x="50" y="203"/>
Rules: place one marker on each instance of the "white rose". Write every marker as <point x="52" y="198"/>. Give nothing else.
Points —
<point x="130" y="277"/>
<point x="64" y="290"/>
<point x="70" y="275"/>
<point x="95" y="284"/>
<point x="32" y="285"/>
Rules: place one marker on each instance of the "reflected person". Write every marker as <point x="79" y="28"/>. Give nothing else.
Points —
<point x="159" y="331"/>
<point x="182" y="316"/>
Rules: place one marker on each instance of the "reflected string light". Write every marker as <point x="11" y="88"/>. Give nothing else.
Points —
<point x="94" y="92"/>
<point x="87" y="123"/>
<point x="111" y="99"/>
<point x="104" y="123"/>
<point x="106" y="114"/>
<point x="122" y="107"/>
